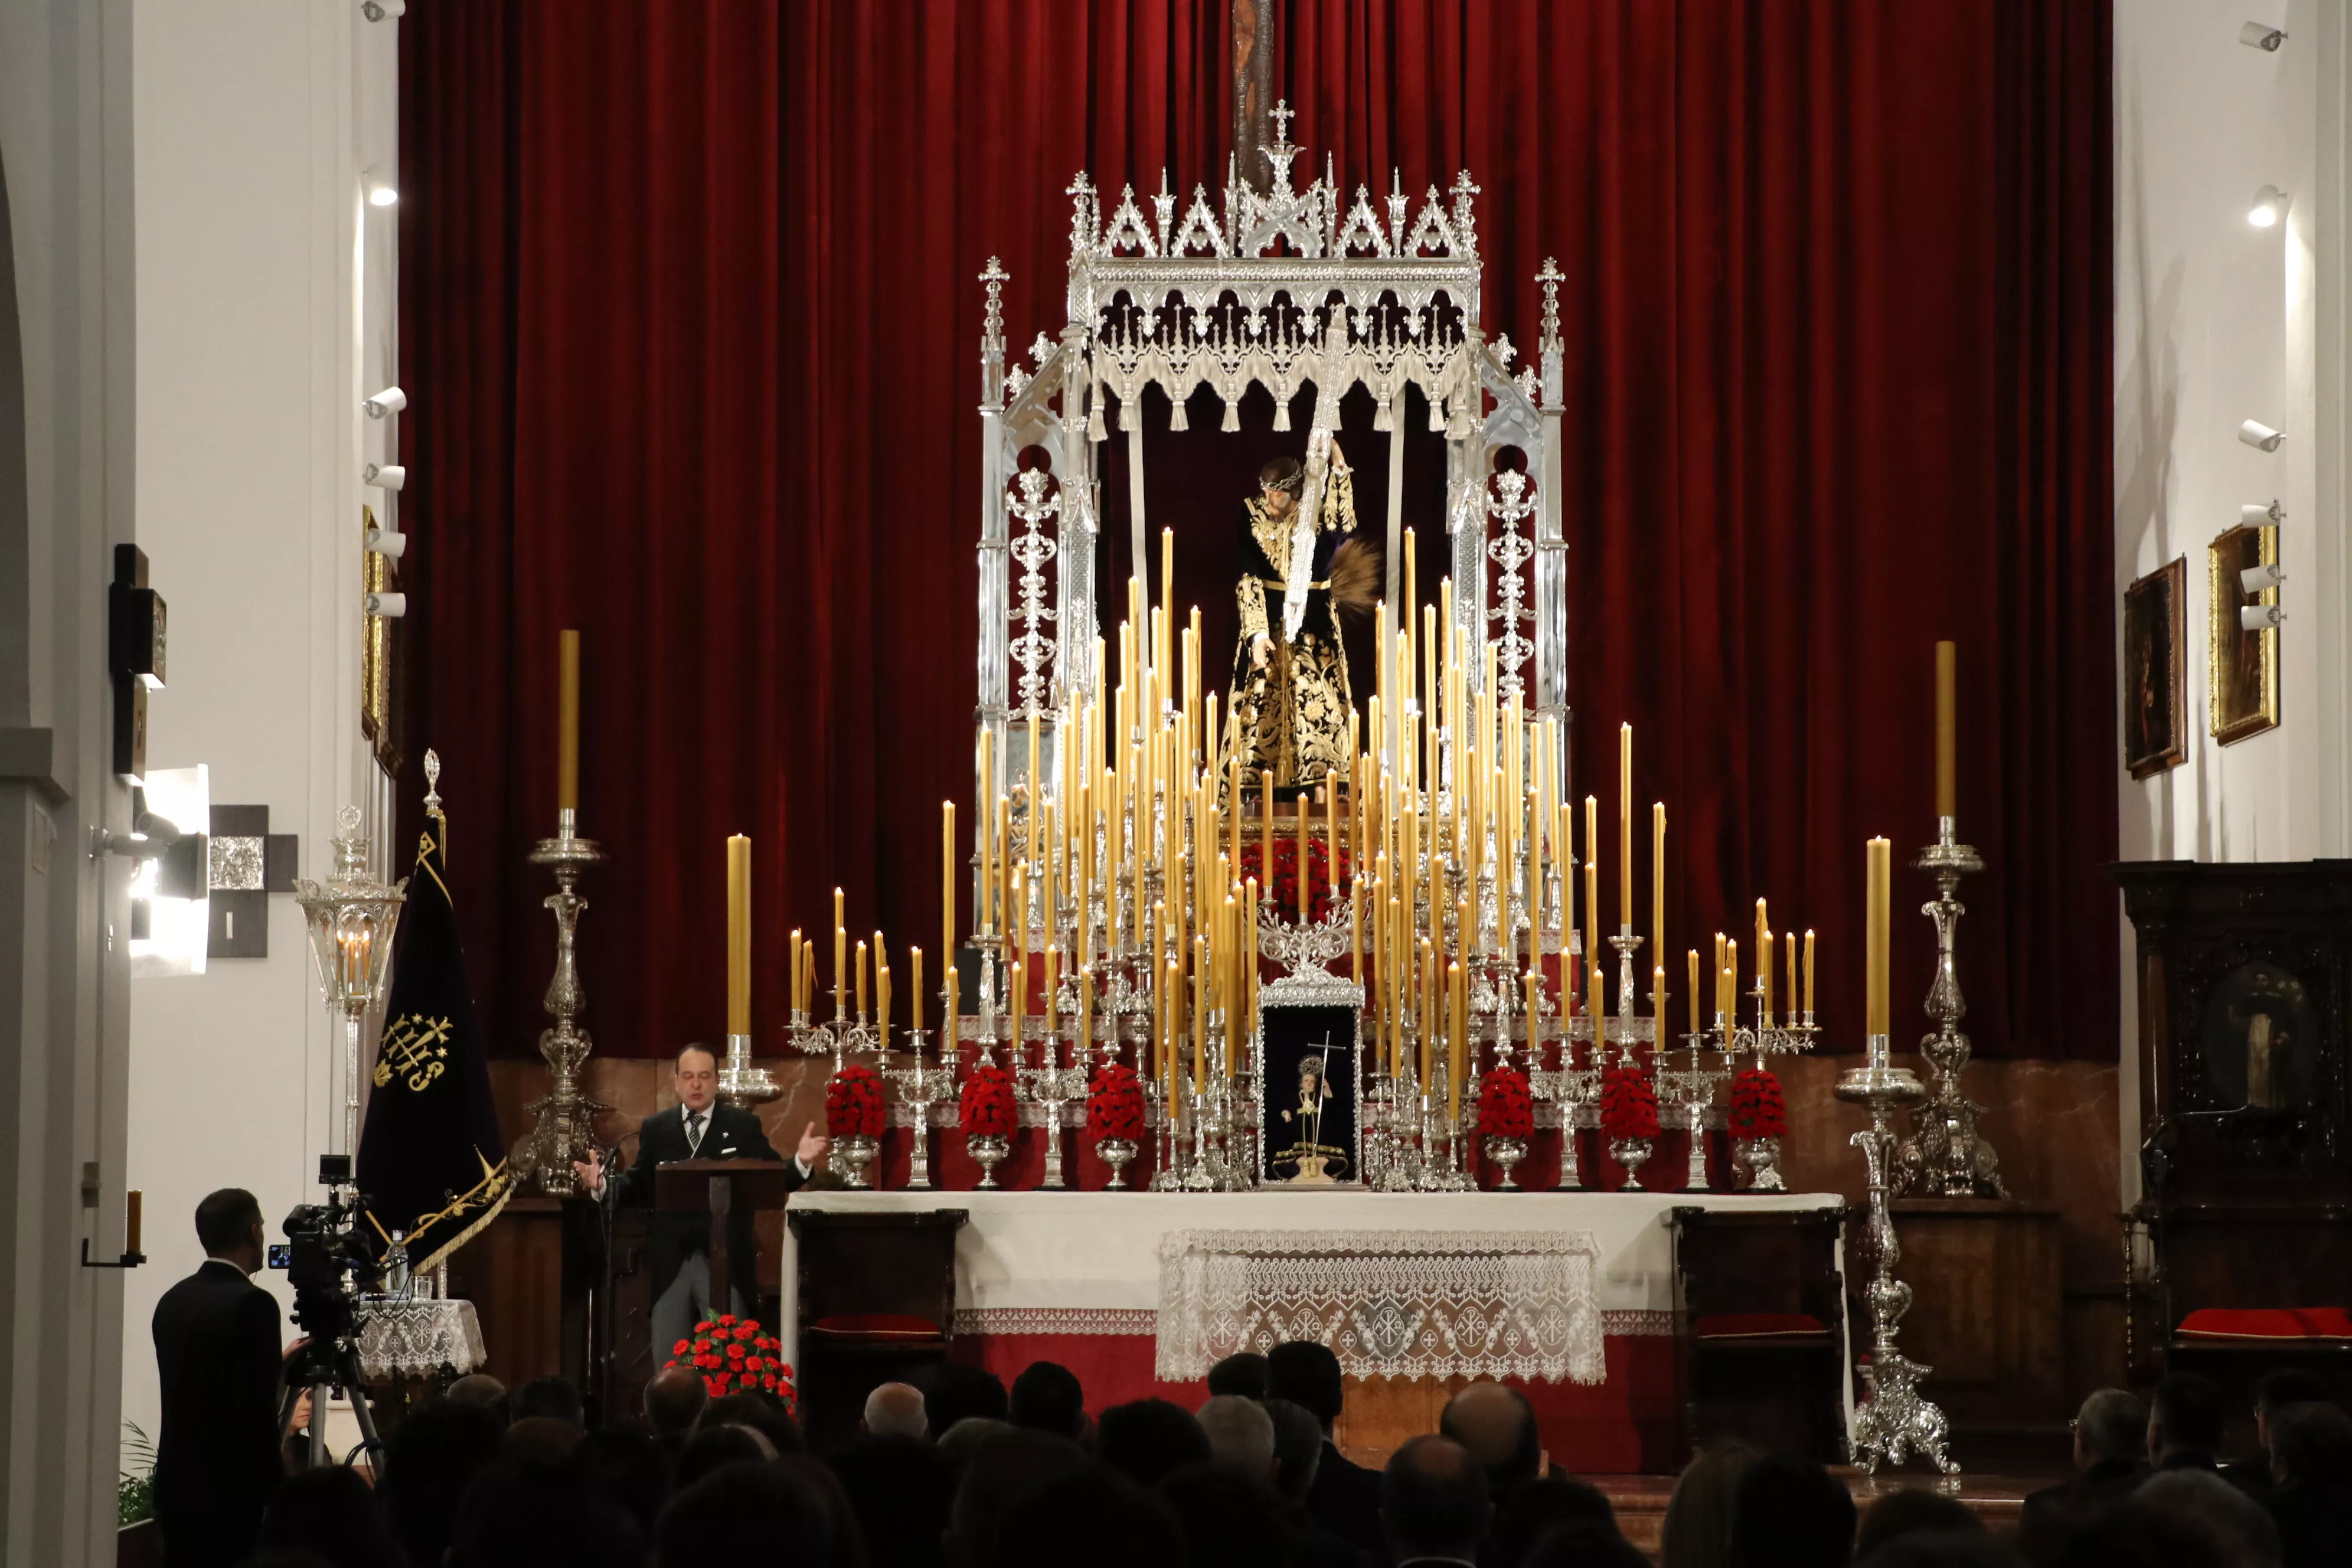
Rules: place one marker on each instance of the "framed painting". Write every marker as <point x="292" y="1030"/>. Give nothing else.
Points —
<point x="2155" y="708"/>
<point x="380" y="651"/>
<point x="2242" y="677"/>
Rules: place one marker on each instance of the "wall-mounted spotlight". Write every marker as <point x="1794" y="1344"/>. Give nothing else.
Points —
<point x="378" y="10"/>
<point x="392" y="476"/>
<point x="2261" y="618"/>
<point x="391" y="400"/>
<point x="380" y="191"/>
<point x="380" y="542"/>
<point x="2253" y="34"/>
<point x="2261" y="579"/>
<point x="2254" y="433"/>
<point x="2270" y="205"/>
<point x="2254" y="514"/>
<point x="390" y="606"/>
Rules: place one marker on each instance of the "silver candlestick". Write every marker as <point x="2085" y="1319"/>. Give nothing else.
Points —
<point x="564" y="1130"/>
<point x="1894" y="1417"/>
<point x="1945" y="1156"/>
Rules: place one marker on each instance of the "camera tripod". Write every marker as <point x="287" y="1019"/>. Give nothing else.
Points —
<point x="317" y="1369"/>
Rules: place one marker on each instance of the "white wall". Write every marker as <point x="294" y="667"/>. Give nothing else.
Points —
<point x="264" y="296"/>
<point x="2217" y="321"/>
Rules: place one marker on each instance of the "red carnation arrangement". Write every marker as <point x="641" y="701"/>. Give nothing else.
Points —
<point x="1280" y="891"/>
<point x="853" y="1103"/>
<point x="734" y="1356"/>
<point x="1756" y="1107"/>
<point x="985" y="1108"/>
<point x="1114" y="1103"/>
<point x="1629" y="1104"/>
<point x="1506" y="1108"/>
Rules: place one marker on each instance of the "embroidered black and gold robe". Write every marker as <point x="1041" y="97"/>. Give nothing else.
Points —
<point x="1292" y="716"/>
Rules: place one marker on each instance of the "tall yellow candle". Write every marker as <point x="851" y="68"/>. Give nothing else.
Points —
<point x="793" y="985"/>
<point x="567" y="731"/>
<point x="1265" y="824"/>
<point x="1017" y="1000"/>
<point x="1764" y="972"/>
<point x="1763" y="924"/>
<point x="1731" y="968"/>
<point x="1947" y="756"/>
<point x="881" y="1002"/>
<point x="1306" y="869"/>
<point x="1592" y="1002"/>
<point x="947" y="880"/>
<point x="1626" y="826"/>
<point x="1809" y="973"/>
<point x="1658" y="883"/>
<point x="1880" y="883"/>
<point x="1719" y="987"/>
<point x="1788" y="951"/>
<point x="738" y="934"/>
<point x="1693" y="994"/>
<point x="1429" y="1018"/>
<point x="1592" y="878"/>
<point x="1200" y="1007"/>
<point x="861" y="980"/>
<point x="915" y="1006"/>
<point x="1457" y="1055"/>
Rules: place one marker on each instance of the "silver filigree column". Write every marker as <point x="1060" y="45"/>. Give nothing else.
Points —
<point x="1944" y="1156"/>
<point x="565" y="1130"/>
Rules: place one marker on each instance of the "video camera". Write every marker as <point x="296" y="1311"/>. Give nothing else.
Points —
<point x="327" y="1261"/>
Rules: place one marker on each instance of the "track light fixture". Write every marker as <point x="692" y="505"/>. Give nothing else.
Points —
<point x="2254" y="433"/>
<point x="391" y="400"/>
<point x="2254" y="514"/>
<point x="390" y="606"/>
<point x="384" y="475"/>
<point x="2270" y="205"/>
<point x="2261" y="579"/>
<point x="2261" y="618"/>
<point x="2253" y="34"/>
<point x="378" y="10"/>
<point x="380" y="191"/>
<point x="381" y="543"/>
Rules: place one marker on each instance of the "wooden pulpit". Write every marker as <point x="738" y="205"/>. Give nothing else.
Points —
<point x="722" y="1186"/>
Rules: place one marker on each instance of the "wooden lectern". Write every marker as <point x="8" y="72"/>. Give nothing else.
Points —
<point x="722" y="1186"/>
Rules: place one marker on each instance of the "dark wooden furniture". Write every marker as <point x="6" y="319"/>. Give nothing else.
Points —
<point x="1760" y="1327"/>
<point x="1987" y="1313"/>
<point x="722" y="1186"/>
<point x="876" y="1298"/>
<point x="2244" y="980"/>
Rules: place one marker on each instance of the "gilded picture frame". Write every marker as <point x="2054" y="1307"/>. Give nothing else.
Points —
<point x="2241" y="694"/>
<point x="380" y="715"/>
<point x="2155" y="698"/>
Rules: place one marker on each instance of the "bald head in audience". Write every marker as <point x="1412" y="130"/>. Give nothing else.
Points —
<point x="1498" y="1426"/>
<point x="895" y="1410"/>
<point x="674" y="1400"/>
<point x="1241" y="1435"/>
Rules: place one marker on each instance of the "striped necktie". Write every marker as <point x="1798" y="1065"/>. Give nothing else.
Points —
<point x="694" y="1132"/>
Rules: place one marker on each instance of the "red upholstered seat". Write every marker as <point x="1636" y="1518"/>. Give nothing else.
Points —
<point x="876" y="1326"/>
<point x="1758" y="1325"/>
<point x="2268" y="1323"/>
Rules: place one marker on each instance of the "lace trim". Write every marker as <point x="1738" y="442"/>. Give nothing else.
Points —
<point x="1637" y="1323"/>
<point x="1137" y="1321"/>
<point x="417" y="1339"/>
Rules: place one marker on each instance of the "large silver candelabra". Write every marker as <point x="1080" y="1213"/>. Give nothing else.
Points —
<point x="1944" y="1155"/>
<point x="352" y="916"/>
<point x="565" y="1128"/>
<point x="1894" y="1418"/>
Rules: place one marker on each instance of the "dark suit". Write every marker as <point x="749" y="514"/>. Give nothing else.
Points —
<point x="2052" y="1508"/>
<point x="733" y="1134"/>
<point x="217" y="1461"/>
<point x="2315" y="1524"/>
<point x="1346" y="1500"/>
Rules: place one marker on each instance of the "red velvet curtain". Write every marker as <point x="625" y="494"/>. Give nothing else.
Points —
<point x="689" y="328"/>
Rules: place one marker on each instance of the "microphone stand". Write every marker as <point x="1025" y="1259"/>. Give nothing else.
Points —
<point x="608" y="1199"/>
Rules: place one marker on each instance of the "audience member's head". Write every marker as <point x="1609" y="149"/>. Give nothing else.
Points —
<point x="1540" y="1508"/>
<point x="482" y="1391"/>
<point x="1298" y="1448"/>
<point x="1433" y="1499"/>
<point x="519" y="1511"/>
<point x="999" y="1477"/>
<point x="895" y="1410"/>
<point x="2279" y="1388"/>
<point x="1229" y="1520"/>
<point x="332" y="1512"/>
<point x="2113" y="1534"/>
<point x="845" y="1541"/>
<point x="2188" y="1503"/>
<point x="553" y="1398"/>
<point x="1307" y="1373"/>
<point x="715" y="1447"/>
<point x="1944" y="1549"/>
<point x="542" y="1438"/>
<point x="2311" y="1445"/>
<point x="1912" y="1512"/>
<point x="674" y="1400"/>
<point x="1696" y="1532"/>
<point x="1241" y="1436"/>
<point x="2111" y="1428"/>
<point x="2184" y="1418"/>
<point x="1046" y="1398"/>
<point x="952" y="1391"/>
<point x="744" y="1513"/>
<point x="1148" y="1439"/>
<point x="228" y="1226"/>
<point x="1581" y="1544"/>
<point x="1075" y="1516"/>
<point x="1242" y="1373"/>
<point x="898" y="1489"/>
<point x="968" y="1436"/>
<point x="430" y="1459"/>
<point x="1788" y="1512"/>
<point x="1497" y="1425"/>
<point x="757" y="1411"/>
<point x="629" y="1469"/>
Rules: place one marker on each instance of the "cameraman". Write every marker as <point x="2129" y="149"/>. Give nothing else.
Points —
<point x="216" y="1349"/>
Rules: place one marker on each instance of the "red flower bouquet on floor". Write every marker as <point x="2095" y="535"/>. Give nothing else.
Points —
<point x="1114" y="1103"/>
<point x="985" y="1108"/>
<point x="1629" y="1104"/>
<point x="1280" y="892"/>
<point x="1756" y="1107"/>
<point x="733" y="1355"/>
<point x="853" y="1103"/>
<point x="1506" y="1109"/>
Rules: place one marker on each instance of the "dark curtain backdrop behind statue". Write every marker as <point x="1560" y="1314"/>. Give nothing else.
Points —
<point x="690" y="327"/>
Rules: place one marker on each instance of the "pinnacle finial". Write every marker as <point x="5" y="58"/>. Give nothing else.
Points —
<point x="432" y="783"/>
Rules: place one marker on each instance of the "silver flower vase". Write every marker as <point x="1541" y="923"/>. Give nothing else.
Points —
<point x="854" y="1153"/>
<point x="1115" y="1152"/>
<point x="1505" y="1153"/>
<point x="986" y="1148"/>
<point x="1760" y="1164"/>
<point x="1630" y="1152"/>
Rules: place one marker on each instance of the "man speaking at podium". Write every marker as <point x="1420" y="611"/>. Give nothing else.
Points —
<point x="700" y="1128"/>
